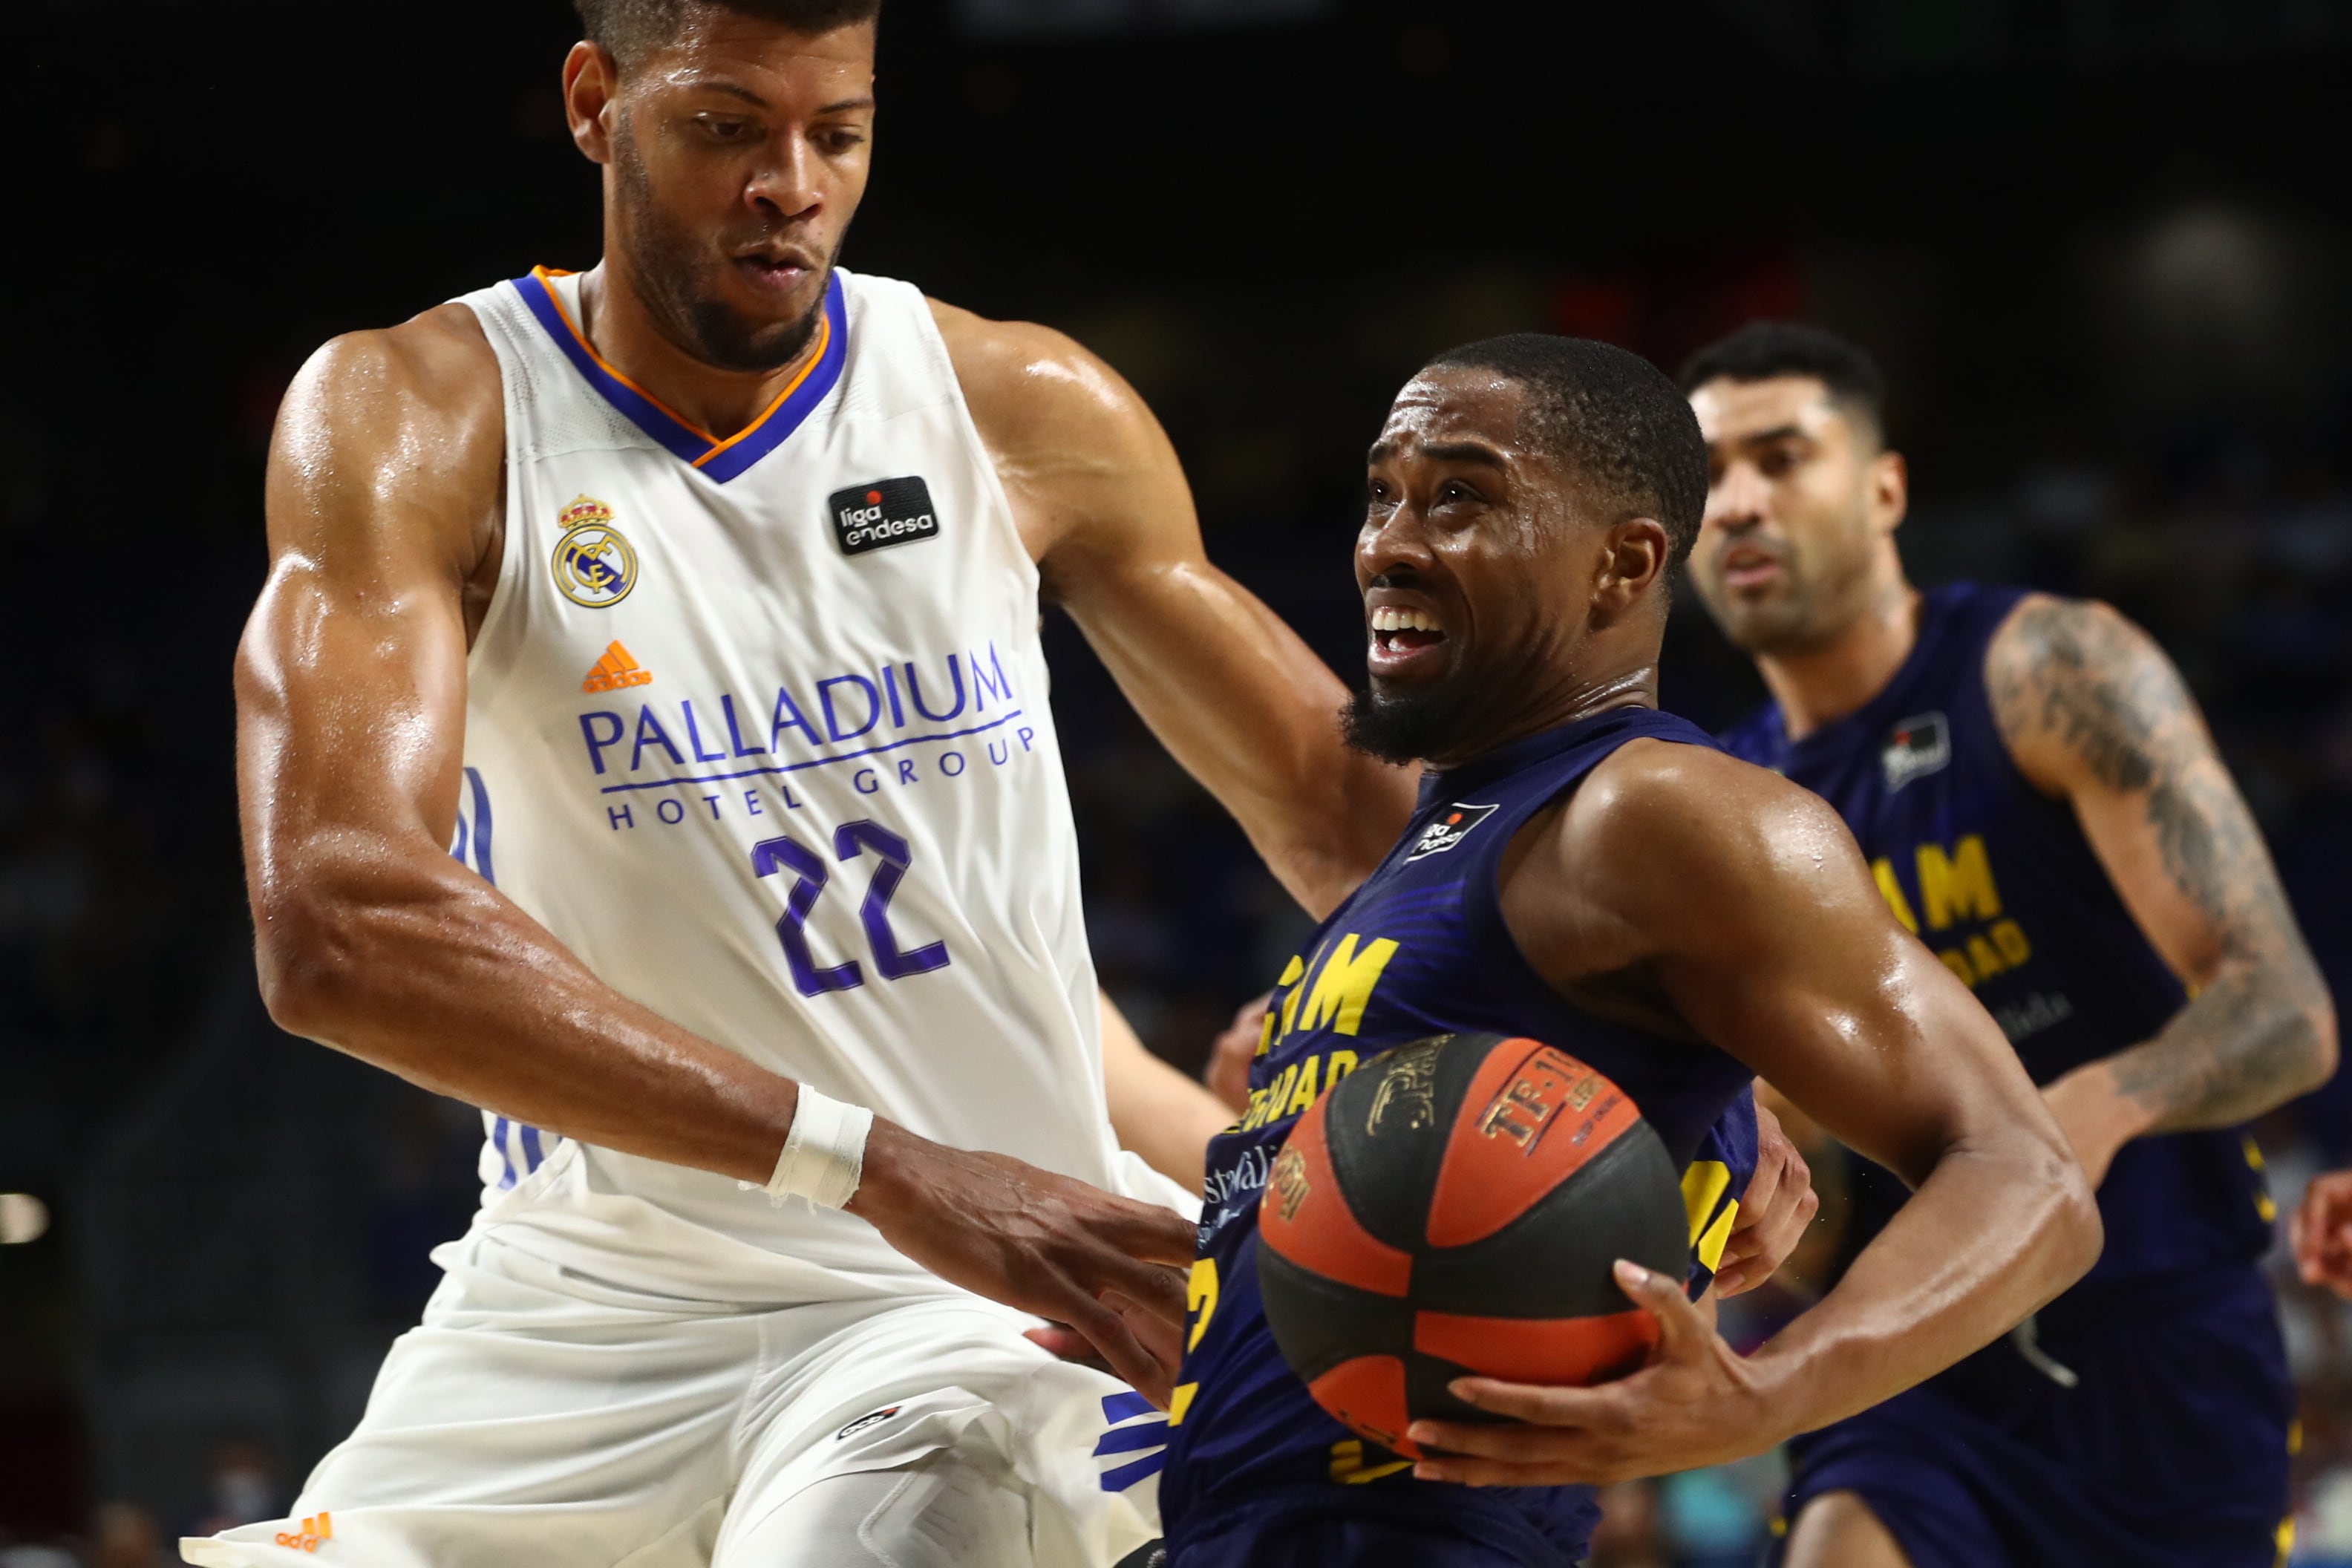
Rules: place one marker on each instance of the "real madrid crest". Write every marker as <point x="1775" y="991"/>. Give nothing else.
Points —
<point x="593" y="564"/>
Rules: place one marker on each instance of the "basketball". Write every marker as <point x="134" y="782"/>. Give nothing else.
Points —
<point x="1456" y="1207"/>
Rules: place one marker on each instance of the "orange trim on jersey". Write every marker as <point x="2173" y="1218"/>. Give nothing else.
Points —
<point x="816" y="358"/>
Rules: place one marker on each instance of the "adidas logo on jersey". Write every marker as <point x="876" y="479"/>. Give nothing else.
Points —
<point x="617" y="669"/>
<point x="878" y="515"/>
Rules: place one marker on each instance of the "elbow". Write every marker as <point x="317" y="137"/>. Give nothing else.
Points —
<point x="303" y="958"/>
<point x="2319" y="1024"/>
<point x="2079" y="1234"/>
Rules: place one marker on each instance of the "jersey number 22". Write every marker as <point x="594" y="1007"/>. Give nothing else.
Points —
<point x="850" y="840"/>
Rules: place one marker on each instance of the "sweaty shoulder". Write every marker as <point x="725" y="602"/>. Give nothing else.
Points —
<point x="1660" y="843"/>
<point x="402" y="427"/>
<point x="1069" y="436"/>
<point x="433" y="375"/>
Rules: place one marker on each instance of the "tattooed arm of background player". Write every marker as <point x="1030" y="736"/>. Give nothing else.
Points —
<point x="1158" y="1112"/>
<point x="350" y="696"/>
<point x="1245" y="705"/>
<point x="2094" y="713"/>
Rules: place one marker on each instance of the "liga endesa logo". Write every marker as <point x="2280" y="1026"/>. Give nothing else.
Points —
<point x="886" y="512"/>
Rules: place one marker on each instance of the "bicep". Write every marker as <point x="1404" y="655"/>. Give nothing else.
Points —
<point x="2094" y="712"/>
<point x="351" y="705"/>
<point x="1799" y="971"/>
<point x="1860" y="1027"/>
<point x="351" y="672"/>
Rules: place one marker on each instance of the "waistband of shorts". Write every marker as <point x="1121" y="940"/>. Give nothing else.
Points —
<point x="2157" y="1296"/>
<point x="1408" y="1501"/>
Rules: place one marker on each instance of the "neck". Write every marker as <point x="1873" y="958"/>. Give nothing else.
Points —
<point x="719" y="403"/>
<point x="1821" y="682"/>
<point x="1637" y="687"/>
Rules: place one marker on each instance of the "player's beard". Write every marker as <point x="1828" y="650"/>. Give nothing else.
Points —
<point x="668" y="261"/>
<point x="1778" y="627"/>
<point x="1441" y="720"/>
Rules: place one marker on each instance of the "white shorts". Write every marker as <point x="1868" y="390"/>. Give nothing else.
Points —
<point x="537" y="1418"/>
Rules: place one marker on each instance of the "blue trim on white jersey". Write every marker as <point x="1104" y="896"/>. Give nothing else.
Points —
<point x="699" y="450"/>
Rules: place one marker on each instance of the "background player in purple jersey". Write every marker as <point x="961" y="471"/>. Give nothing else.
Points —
<point x="1526" y="501"/>
<point x="2043" y="805"/>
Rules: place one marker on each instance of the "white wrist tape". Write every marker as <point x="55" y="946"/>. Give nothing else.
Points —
<point x="824" y="1152"/>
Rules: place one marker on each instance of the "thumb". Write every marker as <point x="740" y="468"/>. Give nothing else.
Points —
<point x="1683" y="1332"/>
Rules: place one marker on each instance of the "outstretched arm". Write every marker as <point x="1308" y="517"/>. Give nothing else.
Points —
<point x="1232" y="692"/>
<point x="2093" y="714"/>
<point x="1799" y="971"/>
<point x="384" y="479"/>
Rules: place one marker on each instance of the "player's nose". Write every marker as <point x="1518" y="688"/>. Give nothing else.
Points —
<point x="1397" y="539"/>
<point x="1736" y="500"/>
<point x="787" y="184"/>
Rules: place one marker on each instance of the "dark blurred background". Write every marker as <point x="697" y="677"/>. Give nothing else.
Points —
<point x="2100" y="245"/>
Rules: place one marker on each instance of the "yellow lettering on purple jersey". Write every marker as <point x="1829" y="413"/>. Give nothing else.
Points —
<point x="1958" y="886"/>
<point x="1344" y="984"/>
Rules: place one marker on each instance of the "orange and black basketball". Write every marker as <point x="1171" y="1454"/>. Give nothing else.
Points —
<point x="1456" y="1205"/>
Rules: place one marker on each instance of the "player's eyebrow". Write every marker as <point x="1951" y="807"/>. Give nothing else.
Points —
<point x="736" y="90"/>
<point x="1476" y="452"/>
<point x="1442" y="452"/>
<point x="1764" y="437"/>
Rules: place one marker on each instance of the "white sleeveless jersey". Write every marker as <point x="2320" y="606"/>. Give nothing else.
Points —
<point x="757" y="728"/>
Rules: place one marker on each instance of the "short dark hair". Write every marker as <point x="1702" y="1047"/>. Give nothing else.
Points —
<point x="1763" y="350"/>
<point x="629" y="30"/>
<point x="1612" y="416"/>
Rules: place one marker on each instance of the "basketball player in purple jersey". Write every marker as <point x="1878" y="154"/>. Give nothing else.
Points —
<point x="2042" y="805"/>
<point x="1587" y="870"/>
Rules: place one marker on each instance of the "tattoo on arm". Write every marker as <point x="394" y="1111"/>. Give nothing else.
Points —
<point x="2079" y="681"/>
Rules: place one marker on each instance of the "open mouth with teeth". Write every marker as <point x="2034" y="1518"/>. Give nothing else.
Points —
<point x="1398" y="633"/>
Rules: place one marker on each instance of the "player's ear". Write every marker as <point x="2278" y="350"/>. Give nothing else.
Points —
<point x="1633" y="558"/>
<point x="1890" y="491"/>
<point x="592" y="80"/>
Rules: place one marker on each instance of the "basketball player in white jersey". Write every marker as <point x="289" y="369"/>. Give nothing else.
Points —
<point x="694" y="601"/>
<point x="643" y="735"/>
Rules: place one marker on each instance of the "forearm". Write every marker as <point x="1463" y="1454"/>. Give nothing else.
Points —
<point x="1250" y="711"/>
<point x="414" y="965"/>
<point x="2255" y="1037"/>
<point x="1996" y="1231"/>
<point x="2094" y="714"/>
